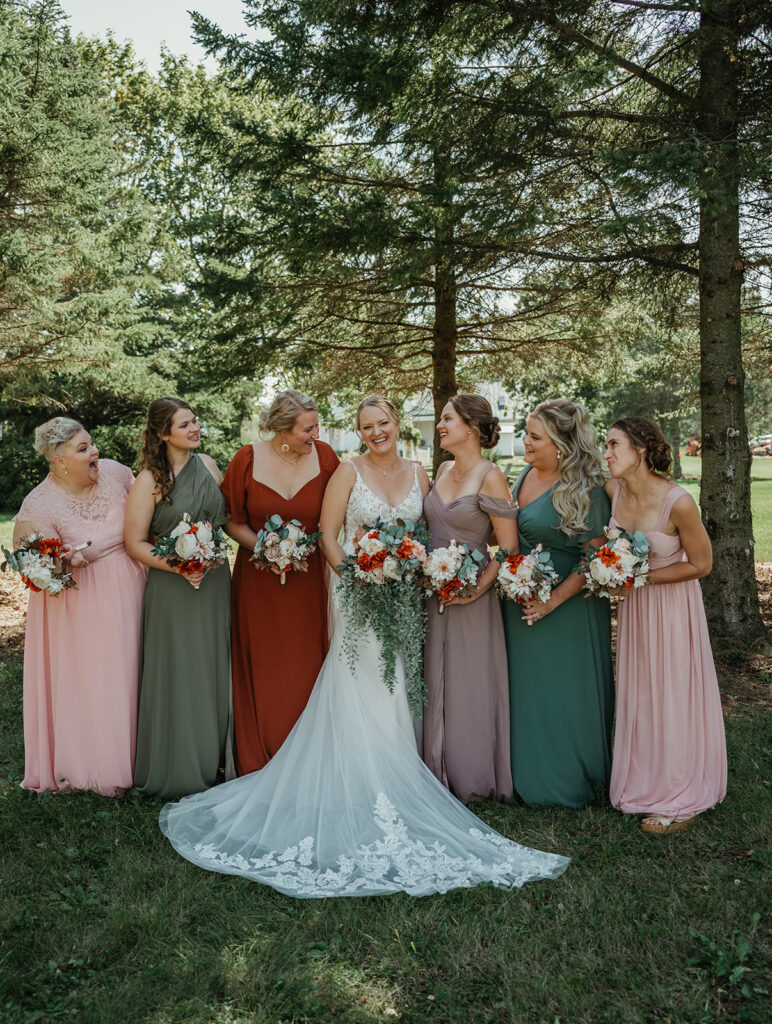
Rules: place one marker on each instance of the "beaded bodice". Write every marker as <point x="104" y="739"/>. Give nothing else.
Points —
<point x="365" y="507"/>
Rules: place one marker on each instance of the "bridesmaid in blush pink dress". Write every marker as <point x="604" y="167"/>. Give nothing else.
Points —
<point x="669" y="747"/>
<point x="82" y="646"/>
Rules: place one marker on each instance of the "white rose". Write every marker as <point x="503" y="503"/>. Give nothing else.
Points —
<point x="286" y="547"/>
<point x="525" y="572"/>
<point x="391" y="568"/>
<point x="186" y="546"/>
<point x="612" y="533"/>
<point x="40" y="576"/>
<point x="272" y="553"/>
<point x="371" y="545"/>
<point x="271" y="539"/>
<point x="180" y="528"/>
<point x="204" y="534"/>
<point x="600" y="573"/>
<point x="623" y="544"/>
<point x="294" y="532"/>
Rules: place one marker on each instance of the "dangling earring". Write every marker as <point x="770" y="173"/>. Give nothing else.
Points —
<point x="469" y="431"/>
<point x="285" y="447"/>
<point x="560" y="456"/>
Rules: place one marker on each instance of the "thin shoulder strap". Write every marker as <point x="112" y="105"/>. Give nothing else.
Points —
<point x="671" y="498"/>
<point x="482" y="479"/>
<point x="617" y="489"/>
<point x="356" y="469"/>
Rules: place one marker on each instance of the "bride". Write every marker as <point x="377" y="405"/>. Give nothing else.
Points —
<point x="346" y="807"/>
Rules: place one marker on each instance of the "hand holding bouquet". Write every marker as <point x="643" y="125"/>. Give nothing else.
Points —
<point x="379" y="589"/>
<point x="452" y="572"/>
<point x="283" y="546"/>
<point x="193" y="548"/>
<point x="623" y="561"/>
<point x="39" y="562"/>
<point x="526" y="578"/>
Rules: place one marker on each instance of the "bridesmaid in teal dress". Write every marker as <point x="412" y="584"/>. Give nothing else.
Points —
<point x="559" y="653"/>
<point x="184" y="676"/>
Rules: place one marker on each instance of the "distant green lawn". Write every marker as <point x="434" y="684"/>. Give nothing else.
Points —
<point x="761" y="496"/>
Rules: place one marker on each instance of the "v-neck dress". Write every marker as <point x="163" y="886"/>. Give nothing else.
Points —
<point x="669" y="746"/>
<point x="466" y="720"/>
<point x="560" y="673"/>
<point x="184" y="676"/>
<point x="279" y="633"/>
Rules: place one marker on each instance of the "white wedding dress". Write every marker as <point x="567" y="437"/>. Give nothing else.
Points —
<point x="347" y="807"/>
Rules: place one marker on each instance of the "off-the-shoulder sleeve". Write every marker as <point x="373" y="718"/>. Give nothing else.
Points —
<point x="234" y="485"/>
<point x="504" y="508"/>
<point x="598" y="516"/>
<point x="35" y="509"/>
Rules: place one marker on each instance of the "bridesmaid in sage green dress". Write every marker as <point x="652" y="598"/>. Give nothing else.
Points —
<point x="559" y="653"/>
<point x="184" y="677"/>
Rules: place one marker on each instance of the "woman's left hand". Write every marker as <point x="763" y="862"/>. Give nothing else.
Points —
<point x="72" y="555"/>
<point x="535" y="610"/>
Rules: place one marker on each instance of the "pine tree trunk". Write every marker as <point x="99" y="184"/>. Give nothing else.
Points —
<point x="445" y="329"/>
<point x="731" y="596"/>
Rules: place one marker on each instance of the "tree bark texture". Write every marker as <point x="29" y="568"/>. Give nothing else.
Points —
<point x="445" y="327"/>
<point x="731" y="595"/>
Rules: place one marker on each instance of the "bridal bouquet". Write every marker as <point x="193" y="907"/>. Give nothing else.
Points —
<point x="623" y="561"/>
<point x="379" y="589"/>
<point x="38" y="561"/>
<point x="193" y="547"/>
<point x="452" y="572"/>
<point x="523" y="578"/>
<point x="283" y="546"/>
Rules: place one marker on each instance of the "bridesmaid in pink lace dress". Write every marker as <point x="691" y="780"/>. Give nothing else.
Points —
<point x="82" y="646"/>
<point x="669" y="748"/>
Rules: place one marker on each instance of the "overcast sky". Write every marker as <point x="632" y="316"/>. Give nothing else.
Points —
<point x="149" y="23"/>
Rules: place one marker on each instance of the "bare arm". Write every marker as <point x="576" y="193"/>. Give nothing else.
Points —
<point x="140" y="506"/>
<point x="242" y="533"/>
<point x="685" y="516"/>
<point x="336" y="497"/>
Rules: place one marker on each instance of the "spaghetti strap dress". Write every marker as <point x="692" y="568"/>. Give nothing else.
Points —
<point x="669" y="745"/>
<point x="279" y="632"/>
<point x="184" y="681"/>
<point x="466" y="721"/>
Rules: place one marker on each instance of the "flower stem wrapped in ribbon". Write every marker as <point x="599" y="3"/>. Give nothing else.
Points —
<point x="283" y="546"/>
<point x="193" y="547"/>
<point x="38" y="561"/>
<point x="379" y="589"/>
<point x="525" y="578"/>
<point x="451" y="572"/>
<point x="623" y="561"/>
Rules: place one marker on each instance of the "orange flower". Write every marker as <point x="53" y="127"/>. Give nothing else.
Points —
<point x="448" y="590"/>
<point x="49" y="546"/>
<point x="514" y="560"/>
<point x="607" y="556"/>
<point x="30" y="584"/>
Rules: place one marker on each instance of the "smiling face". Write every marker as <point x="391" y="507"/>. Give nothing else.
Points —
<point x="80" y="458"/>
<point x="541" y="452"/>
<point x="452" y="429"/>
<point x="379" y="431"/>
<point x="621" y="455"/>
<point x="305" y="430"/>
<point x="184" y="431"/>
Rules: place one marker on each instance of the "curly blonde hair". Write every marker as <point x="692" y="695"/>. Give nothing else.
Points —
<point x="580" y="466"/>
<point x="153" y="455"/>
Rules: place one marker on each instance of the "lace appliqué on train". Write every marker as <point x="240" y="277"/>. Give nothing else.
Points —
<point x="394" y="863"/>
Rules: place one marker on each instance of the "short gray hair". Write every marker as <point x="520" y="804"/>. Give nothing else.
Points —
<point x="280" y="416"/>
<point x="50" y="436"/>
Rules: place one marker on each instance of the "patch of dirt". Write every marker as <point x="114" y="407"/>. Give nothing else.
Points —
<point x="13" y="608"/>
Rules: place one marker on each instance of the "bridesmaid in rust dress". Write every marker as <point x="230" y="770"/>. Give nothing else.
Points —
<point x="279" y="631"/>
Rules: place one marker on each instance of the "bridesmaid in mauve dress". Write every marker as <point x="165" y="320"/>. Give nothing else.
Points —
<point x="279" y="631"/>
<point x="82" y="646"/>
<point x="466" y="721"/>
<point x="184" y="689"/>
<point x="669" y="745"/>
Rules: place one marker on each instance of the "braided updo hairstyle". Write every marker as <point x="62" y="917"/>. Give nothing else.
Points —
<point x="580" y="467"/>
<point x="153" y="455"/>
<point x="643" y="433"/>
<point x="476" y="412"/>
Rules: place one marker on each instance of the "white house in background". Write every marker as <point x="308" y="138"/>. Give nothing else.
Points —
<point x="420" y="410"/>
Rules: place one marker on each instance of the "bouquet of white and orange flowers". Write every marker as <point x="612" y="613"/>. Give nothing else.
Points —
<point x="193" y="547"/>
<point x="39" y="563"/>
<point x="623" y="561"/>
<point x="283" y="546"/>
<point x="524" y="578"/>
<point x="379" y="588"/>
<point x="452" y="571"/>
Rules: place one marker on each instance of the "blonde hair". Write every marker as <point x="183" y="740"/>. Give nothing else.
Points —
<point x="281" y="414"/>
<point x="53" y="434"/>
<point x="476" y="412"/>
<point x="580" y="465"/>
<point x="378" y="402"/>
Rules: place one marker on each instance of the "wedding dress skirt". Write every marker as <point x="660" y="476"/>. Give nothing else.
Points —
<point x="347" y="807"/>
